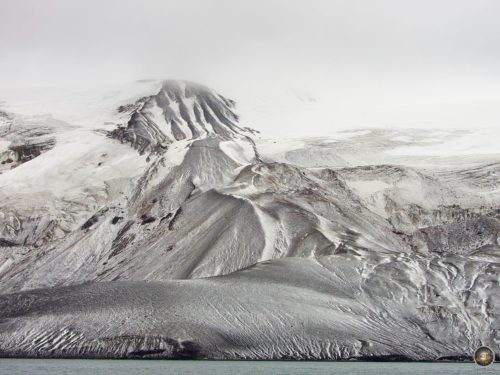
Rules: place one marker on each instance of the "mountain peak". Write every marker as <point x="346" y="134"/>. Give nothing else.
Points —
<point x="180" y="110"/>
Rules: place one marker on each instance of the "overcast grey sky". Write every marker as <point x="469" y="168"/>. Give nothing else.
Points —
<point x="366" y="50"/>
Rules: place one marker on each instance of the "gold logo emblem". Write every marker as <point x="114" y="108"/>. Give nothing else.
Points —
<point x="484" y="356"/>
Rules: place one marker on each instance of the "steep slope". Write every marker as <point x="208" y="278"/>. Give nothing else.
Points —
<point x="180" y="110"/>
<point x="190" y="244"/>
<point x="204" y="206"/>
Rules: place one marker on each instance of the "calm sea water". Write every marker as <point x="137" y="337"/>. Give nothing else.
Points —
<point x="132" y="367"/>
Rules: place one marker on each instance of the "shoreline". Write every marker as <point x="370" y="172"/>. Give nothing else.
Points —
<point x="352" y="360"/>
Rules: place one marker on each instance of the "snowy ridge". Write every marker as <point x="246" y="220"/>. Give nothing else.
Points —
<point x="179" y="111"/>
<point x="239" y="251"/>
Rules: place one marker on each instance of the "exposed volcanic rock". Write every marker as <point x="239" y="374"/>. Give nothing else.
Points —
<point x="26" y="142"/>
<point x="462" y="237"/>
<point x="179" y="111"/>
<point x="189" y="244"/>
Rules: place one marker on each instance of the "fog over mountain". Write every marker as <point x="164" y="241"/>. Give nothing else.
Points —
<point x="151" y="223"/>
<point x="363" y="63"/>
<point x="323" y="185"/>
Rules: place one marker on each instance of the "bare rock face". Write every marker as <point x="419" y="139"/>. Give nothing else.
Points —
<point x="25" y="142"/>
<point x="173" y="238"/>
<point x="179" y="111"/>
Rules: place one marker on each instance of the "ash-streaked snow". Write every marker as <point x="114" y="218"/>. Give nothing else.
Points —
<point x="159" y="224"/>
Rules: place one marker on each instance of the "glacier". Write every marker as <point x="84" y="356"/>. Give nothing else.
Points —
<point x="153" y="222"/>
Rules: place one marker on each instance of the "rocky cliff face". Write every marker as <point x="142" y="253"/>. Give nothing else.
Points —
<point x="190" y="244"/>
<point x="179" y="111"/>
<point x="25" y="140"/>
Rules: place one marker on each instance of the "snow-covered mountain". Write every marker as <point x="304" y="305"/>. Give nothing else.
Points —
<point x="152" y="221"/>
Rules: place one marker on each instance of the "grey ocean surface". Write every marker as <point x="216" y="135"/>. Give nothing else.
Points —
<point x="124" y="367"/>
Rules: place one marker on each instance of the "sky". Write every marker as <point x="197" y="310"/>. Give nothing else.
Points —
<point x="343" y="63"/>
